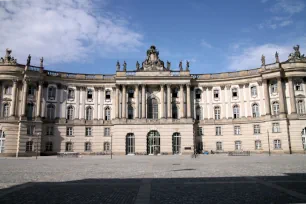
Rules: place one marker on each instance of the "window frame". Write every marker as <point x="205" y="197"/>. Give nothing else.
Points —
<point x="273" y="87"/>
<point x="216" y="94"/>
<point x="275" y="127"/>
<point x="69" y="131"/>
<point x="236" y="112"/>
<point x="256" y="127"/>
<point x="238" y="145"/>
<point x="107" y="132"/>
<point x="107" y="95"/>
<point x="52" y="93"/>
<point x="87" y="147"/>
<point x="219" y="146"/>
<point x="30" y="130"/>
<point x="48" y="132"/>
<point x="258" y="147"/>
<point x="200" y="131"/>
<point x="68" y="146"/>
<point x="107" y="113"/>
<point x="71" y="94"/>
<point x="255" y="114"/>
<point x="198" y="94"/>
<point x="277" y="144"/>
<point x="235" y="90"/>
<point x="237" y="130"/>
<point x="254" y="94"/>
<point x="29" y="146"/>
<point x="275" y="108"/>
<point x="49" y="146"/>
<point x="217" y="112"/>
<point x="6" y="110"/>
<point x="218" y="131"/>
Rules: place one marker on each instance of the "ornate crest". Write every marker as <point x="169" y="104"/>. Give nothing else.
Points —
<point x="152" y="62"/>
<point x="296" y="55"/>
<point x="8" y="59"/>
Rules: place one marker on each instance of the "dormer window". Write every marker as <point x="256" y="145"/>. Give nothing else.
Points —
<point x="107" y="95"/>
<point x="131" y="93"/>
<point x="70" y="94"/>
<point x="216" y="94"/>
<point x="198" y="94"/>
<point x="235" y="93"/>
<point x="51" y="93"/>
<point x="89" y="94"/>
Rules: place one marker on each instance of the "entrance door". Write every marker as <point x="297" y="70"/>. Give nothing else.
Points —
<point x="176" y="143"/>
<point x="153" y="143"/>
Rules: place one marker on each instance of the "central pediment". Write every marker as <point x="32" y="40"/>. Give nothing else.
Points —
<point x="152" y="61"/>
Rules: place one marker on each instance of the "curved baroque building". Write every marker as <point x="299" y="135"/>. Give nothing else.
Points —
<point x="152" y="109"/>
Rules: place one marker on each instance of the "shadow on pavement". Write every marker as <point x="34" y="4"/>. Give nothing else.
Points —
<point x="290" y="188"/>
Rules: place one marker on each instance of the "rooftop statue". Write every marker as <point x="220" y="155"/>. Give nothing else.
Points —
<point x="276" y="57"/>
<point x="296" y="55"/>
<point x="181" y="66"/>
<point x="263" y="60"/>
<point x="8" y="58"/>
<point x="124" y="66"/>
<point x="118" y="66"/>
<point x="137" y="66"/>
<point x="187" y="65"/>
<point x="29" y="60"/>
<point x="152" y="61"/>
<point x="168" y="65"/>
<point x="41" y="62"/>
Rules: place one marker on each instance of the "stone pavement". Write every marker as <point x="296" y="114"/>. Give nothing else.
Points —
<point x="154" y="179"/>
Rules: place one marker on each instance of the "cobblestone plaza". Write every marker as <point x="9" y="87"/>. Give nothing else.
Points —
<point x="154" y="179"/>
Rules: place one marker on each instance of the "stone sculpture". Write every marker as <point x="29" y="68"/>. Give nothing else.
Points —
<point x="124" y="66"/>
<point x="29" y="60"/>
<point x="181" y="66"/>
<point x="276" y="57"/>
<point x="118" y="66"/>
<point x="263" y="60"/>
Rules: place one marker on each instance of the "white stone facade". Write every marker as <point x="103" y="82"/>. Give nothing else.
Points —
<point x="152" y="109"/>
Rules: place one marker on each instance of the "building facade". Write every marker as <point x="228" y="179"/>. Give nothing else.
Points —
<point x="152" y="109"/>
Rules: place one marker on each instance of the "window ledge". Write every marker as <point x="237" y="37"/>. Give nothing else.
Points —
<point x="69" y="135"/>
<point x="88" y="135"/>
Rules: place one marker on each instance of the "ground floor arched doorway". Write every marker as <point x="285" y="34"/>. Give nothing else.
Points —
<point x="130" y="143"/>
<point x="176" y="143"/>
<point x="153" y="142"/>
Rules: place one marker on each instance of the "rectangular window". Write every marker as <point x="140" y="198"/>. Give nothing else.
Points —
<point x="69" y="131"/>
<point x="31" y="90"/>
<point x="216" y="94"/>
<point x="237" y="145"/>
<point x="89" y="94"/>
<point x="234" y="93"/>
<point x="69" y="147"/>
<point x="88" y="131"/>
<point x="131" y="93"/>
<point x="87" y="146"/>
<point x="275" y="127"/>
<point x="237" y="130"/>
<point x="107" y="95"/>
<point x="7" y="90"/>
<point x="218" y="146"/>
<point x="50" y="130"/>
<point x="70" y="94"/>
<point x="200" y="131"/>
<point x="106" y="131"/>
<point x="277" y="144"/>
<point x="218" y="131"/>
<point x="257" y="144"/>
<point x="30" y="130"/>
<point x="256" y="129"/>
<point x="273" y="87"/>
<point x="253" y="91"/>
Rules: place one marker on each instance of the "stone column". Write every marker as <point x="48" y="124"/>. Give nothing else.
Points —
<point x="123" y="101"/>
<point x="95" y="109"/>
<point x="241" y="95"/>
<point x="204" y="101"/>
<point x="38" y="102"/>
<point x="44" y="96"/>
<point x="281" y="96"/>
<point x="247" y="95"/>
<point x="143" y="101"/>
<point x="82" y="100"/>
<point x="188" y="101"/>
<point x="228" y="107"/>
<point x="292" y="96"/>
<point x="117" y="102"/>
<point x="267" y="96"/>
<point x="13" y="105"/>
<point x="136" y="101"/>
<point x="181" y="101"/>
<point x="58" y="100"/>
<point x="24" y="96"/>
<point x="77" y="102"/>
<point x="223" y="112"/>
<point x="209" y="103"/>
<point x="101" y="103"/>
<point x="168" y="101"/>
<point x="64" y="97"/>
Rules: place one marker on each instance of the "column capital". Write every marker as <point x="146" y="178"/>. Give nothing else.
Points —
<point x="228" y="87"/>
<point x="241" y="85"/>
<point x="15" y="80"/>
<point x="259" y="83"/>
<point x="188" y="85"/>
<point x="222" y="87"/>
<point x="26" y="80"/>
<point x="247" y="85"/>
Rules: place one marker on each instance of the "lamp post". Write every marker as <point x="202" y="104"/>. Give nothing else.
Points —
<point x="269" y="142"/>
<point x="111" y="146"/>
<point x="37" y="138"/>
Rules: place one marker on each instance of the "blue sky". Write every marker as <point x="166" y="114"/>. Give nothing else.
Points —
<point x="90" y="36"/>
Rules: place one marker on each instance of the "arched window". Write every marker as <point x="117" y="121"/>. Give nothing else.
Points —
<point x="30" y="111"/>
<point x="49" y="146"/>
<point x="130" y="143"/>
<point x="198" y="113"/>
<point x="70" y="115"/>
<point x="235" y="111"/>
<point x="107" y="112"/>
<point x="107" y="146"/>
<point x="130" y="112"/>
<point x="174" y="111"/>
<point x="198" y="94"/>
<point x="176" y="143"/>
<point x="152" y="108"/>
<point x="304" y="138"/>
<point x="50" y="112"/>
<point x="153" y="142"/>
<point x="253" y="91"/>
<point x="275" y="108"/>
<point x="29" y="146"/>
<point x="301" y="107"/>
<point x="255" y="110"/>
<point x="89" y="113"/>
<point x="69" y="147"/>
<point x="217" y="111"/>
<point x="51" y="93"/>
<point x="6" y="110"/>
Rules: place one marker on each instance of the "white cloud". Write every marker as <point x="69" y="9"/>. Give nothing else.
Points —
<point x="289" y="6"/>
<point x="250" y="57"/>
<point x="62" y="30"/>
<point x="285" y="23"/>
<point x="264" y="1"/>
<point x="206" y="44"/>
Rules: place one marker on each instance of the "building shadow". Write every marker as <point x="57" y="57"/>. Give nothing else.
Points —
<point x="290" y="188"/>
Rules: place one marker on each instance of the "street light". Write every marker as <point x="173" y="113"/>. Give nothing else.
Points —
<point x="111" y="146"/>
<point x="269" y="142"/>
